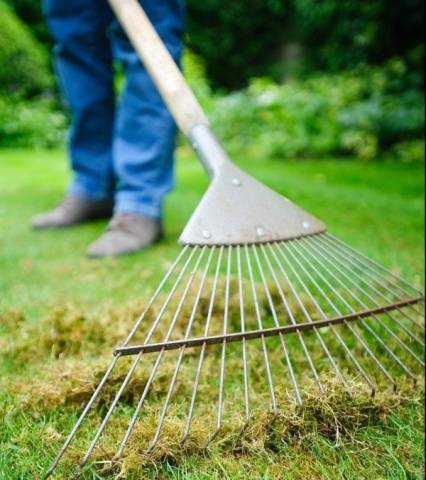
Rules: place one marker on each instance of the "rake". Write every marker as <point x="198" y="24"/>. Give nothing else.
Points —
<point x="260" y="300"/>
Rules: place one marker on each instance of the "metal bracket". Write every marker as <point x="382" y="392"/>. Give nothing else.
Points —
<point x="237" y="209"/>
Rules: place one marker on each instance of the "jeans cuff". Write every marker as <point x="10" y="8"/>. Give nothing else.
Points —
<point x="79" y="190"/>
<point x="138" y="208"/>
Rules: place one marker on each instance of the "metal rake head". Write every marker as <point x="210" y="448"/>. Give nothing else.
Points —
<point x="231" y="328"/>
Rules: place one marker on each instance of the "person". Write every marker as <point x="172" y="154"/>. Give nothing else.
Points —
<point x="121" y="150"/>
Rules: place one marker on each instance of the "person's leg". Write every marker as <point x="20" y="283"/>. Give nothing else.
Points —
<point x="83" y="61"/>
<point x="145" y="132"/>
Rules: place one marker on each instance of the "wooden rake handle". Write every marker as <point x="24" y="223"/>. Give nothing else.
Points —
<point x="169" y="80"/>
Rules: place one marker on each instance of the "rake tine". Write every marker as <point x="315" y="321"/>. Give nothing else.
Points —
<point x="290" y="313"/>
<point x="182" y="352"/>
<point x="131" y="372"/>
<point x="375" y="303"/>
<point x="286" y="353"/>
<point x="363" y="322"/>
<point x="203" y="349"/>
<point x="260" y="323"/>
<point x="348" y="305"/>
<point x="223" y="356"/>
<point x="110" y="369"/>
<point x="378" y="281"/>
<point x="367" y="265"/>
<point x="305" y="312"/>
<point x="161" y="353"/>
<point x="397" y="280"/>
<point x="244" y="342"/>
<point x="389" y="315"/>
<point x="302" y="306"/>
<point x="335" y="309"/>
<point x="157" y="292"/>
<point x="364" y="268"/>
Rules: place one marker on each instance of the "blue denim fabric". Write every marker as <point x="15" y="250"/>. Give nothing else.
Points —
<point x="120" y="147"/>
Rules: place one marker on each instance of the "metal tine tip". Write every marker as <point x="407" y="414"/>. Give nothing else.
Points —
<point x="325" y="255"/>
<point x="291" y="316"/>
<point x="334" y="308"/>
<point x="260" y="324"/>
<point x="373" y="279"/>
<point x="338" y="295"/>
<point x="346" y="272"/>
<point x="209" y="317"/>
<point x="111" y="368"/>
<point x="161" y="353"/>
<point x="301" y="304"/>
<point x="243" y="342"/>
<point x="223" y="355"/>
<point x="138" y="358"/>
<point x="182" y="352"/>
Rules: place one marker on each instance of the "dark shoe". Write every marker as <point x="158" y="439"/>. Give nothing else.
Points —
<point x="126" y="233"/>
<point x="72" y="211"/>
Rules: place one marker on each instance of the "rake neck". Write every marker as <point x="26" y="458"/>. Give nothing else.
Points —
<point x="209" y="150"/>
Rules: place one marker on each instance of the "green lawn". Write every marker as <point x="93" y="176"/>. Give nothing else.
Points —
<point x="376" y="207"/>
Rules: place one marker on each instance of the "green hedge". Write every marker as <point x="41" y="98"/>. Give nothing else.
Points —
<point x="355" y="113"/>
<point x="24" y="64"/>
<point x="31" y="123"/>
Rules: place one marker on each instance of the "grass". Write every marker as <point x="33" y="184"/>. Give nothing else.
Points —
<point x="51" y="295"/>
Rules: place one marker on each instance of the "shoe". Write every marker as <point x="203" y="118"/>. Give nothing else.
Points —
<point x="72" y="211"/>
<point x="127" y="233"/>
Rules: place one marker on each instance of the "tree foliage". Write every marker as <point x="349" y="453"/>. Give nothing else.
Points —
<point x="245" y="38"/>
<point x="238" y="39"/>
<point x="23" y="62"/>
<point x="242" y="39"/>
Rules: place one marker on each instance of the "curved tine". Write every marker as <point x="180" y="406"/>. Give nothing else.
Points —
<point x="389" y="315"/>
<point x="223" y="357"/>
<point x="203" y="348"/>
<point x="244" y="341"/>
<point x="158" y="360"/>
<point x="130" y="374"/>
<point x="377" y="280"/>
<point x="111" y="367"/>
<point x="349" y="306"/>
<point x="364" y="305"/>
<point x="335" y="309"/>
<point x="84" y="414"/>
<point x="182" y="352"/>
<point x="298" y="394"/>
<point x="290" y="314"/>
<point x="363" y="265"/>
<point x="376" y="265"/>
<point x="260" y="323"/>
<point x="301" y="304"/>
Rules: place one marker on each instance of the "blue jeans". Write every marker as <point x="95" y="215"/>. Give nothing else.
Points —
<point x="121" y="147"/>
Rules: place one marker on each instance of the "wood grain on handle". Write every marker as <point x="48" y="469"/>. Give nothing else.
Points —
<point x="160" y="64"/>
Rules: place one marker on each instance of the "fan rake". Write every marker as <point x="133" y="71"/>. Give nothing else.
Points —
<point x="260" y="300"/>
<point x="285" y="311"/>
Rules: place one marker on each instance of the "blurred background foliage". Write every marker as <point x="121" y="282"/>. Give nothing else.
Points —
<point x="280" y="78"/>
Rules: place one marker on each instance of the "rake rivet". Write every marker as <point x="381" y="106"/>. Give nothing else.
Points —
<point x="237" y="182"/>
<point x="207" y="234"/>
<point x="306" y="225"/>
<point x="260" y="232"/>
